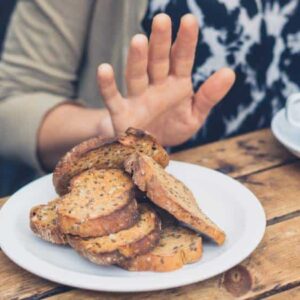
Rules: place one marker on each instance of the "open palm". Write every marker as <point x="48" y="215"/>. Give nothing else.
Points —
<point x="160" y="96"/>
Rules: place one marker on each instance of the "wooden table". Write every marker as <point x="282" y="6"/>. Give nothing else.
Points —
<point x="272" y="271"/>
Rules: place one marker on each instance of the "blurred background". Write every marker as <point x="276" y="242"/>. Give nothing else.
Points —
<point x="12" y="175"/>
<point x="6" y="8"/>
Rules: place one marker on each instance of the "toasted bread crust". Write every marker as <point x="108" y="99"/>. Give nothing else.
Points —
<point x="122" y="218"/>
<point x="189" y="251"/>
<point x="139" y="247"/>
<point x="145" y="178"/>
<point x="49" y="232"/>
<point x="121" y="252"/>
<point x="75" y="161"/>
<point x="97" y="199"/>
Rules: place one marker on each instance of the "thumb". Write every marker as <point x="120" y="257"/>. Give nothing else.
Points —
<point x="212" y="91"/>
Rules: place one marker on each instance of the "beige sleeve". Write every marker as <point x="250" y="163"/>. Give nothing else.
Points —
<point x="38" y="69"/>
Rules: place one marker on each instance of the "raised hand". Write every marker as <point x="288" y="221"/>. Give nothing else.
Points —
<point x="160" y="95"/>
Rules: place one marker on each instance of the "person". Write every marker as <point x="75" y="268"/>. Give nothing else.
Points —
<point x="48" y="61"/>
<point x="10" y="172"/>
<point x="54" y="59"/>
<point x="259" y="40"/>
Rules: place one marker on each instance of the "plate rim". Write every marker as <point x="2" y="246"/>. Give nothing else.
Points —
<point x="122" y="284"/>
<point x="283" y="140"/>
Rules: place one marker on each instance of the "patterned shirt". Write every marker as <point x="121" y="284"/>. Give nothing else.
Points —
<point x="259" y="39"/>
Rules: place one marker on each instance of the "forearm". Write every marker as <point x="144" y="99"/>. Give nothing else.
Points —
<point x="34" y="77"/>
<point x="67" y="125"/>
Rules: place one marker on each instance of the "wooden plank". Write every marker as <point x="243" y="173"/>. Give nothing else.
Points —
<point x="275" y="263"/>
<point x="272" y="187"/>
<point x="292" y="294"/>
<point x="2" y="201"/>
<point x="17" y="283"/>
<point x="278" y="189"/>
<point x="240" y="155"/>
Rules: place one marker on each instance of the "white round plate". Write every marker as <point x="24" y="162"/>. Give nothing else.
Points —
<point x="233" y="207"/>
<point x="285" y="133"/>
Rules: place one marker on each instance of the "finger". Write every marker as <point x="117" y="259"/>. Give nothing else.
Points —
<point x="108" y="88"/>
<point x="212" y="91"/>
<point x="159" y="48"/>
<point x="183" y="50"/>
<point x="136" y="69"/>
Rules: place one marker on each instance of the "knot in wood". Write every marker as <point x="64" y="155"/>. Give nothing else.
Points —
<point x="237" y="281"/>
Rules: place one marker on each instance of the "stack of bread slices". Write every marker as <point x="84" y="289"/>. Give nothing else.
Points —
<point x="118" y="206"/>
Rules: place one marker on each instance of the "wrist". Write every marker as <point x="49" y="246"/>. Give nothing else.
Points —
<point x="67" y="125"/>
<point x="102" y="123"/>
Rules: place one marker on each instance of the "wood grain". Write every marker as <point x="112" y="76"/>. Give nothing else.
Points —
<point x="277" y="189"/>
<point x="292" y="294"/>
<point x="273" y="265"/>
<point x="2" y="201"/>
<point x="240" y="155"/>
<point x="255" y="276"/>
<point x="16" y="283"/>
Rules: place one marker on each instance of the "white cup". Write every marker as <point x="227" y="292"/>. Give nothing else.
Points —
<point x="292" y="102"/>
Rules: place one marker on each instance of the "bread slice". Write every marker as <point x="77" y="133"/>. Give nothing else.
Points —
<point x="177" y="246"/>
<point x="170" y="194"/>
<point x="43" y="222"/>
<point x="101" y="202"/>
<point x="114" y="248"/>
<point x="105" y="153"/>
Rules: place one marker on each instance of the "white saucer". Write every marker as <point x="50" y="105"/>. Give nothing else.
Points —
<point x="285" y="133"/>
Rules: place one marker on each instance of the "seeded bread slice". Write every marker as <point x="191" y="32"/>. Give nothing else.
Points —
<point x="43" y="222"/>
<point x="105" y="153"/>
<point x="114" y="248"/>
<point x="101" y="202"/>
<point x="170" y="194"/>
<point x="177" y="246"/>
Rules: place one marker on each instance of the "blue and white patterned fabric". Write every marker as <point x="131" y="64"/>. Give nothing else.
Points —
<point x="259" y="39"/>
